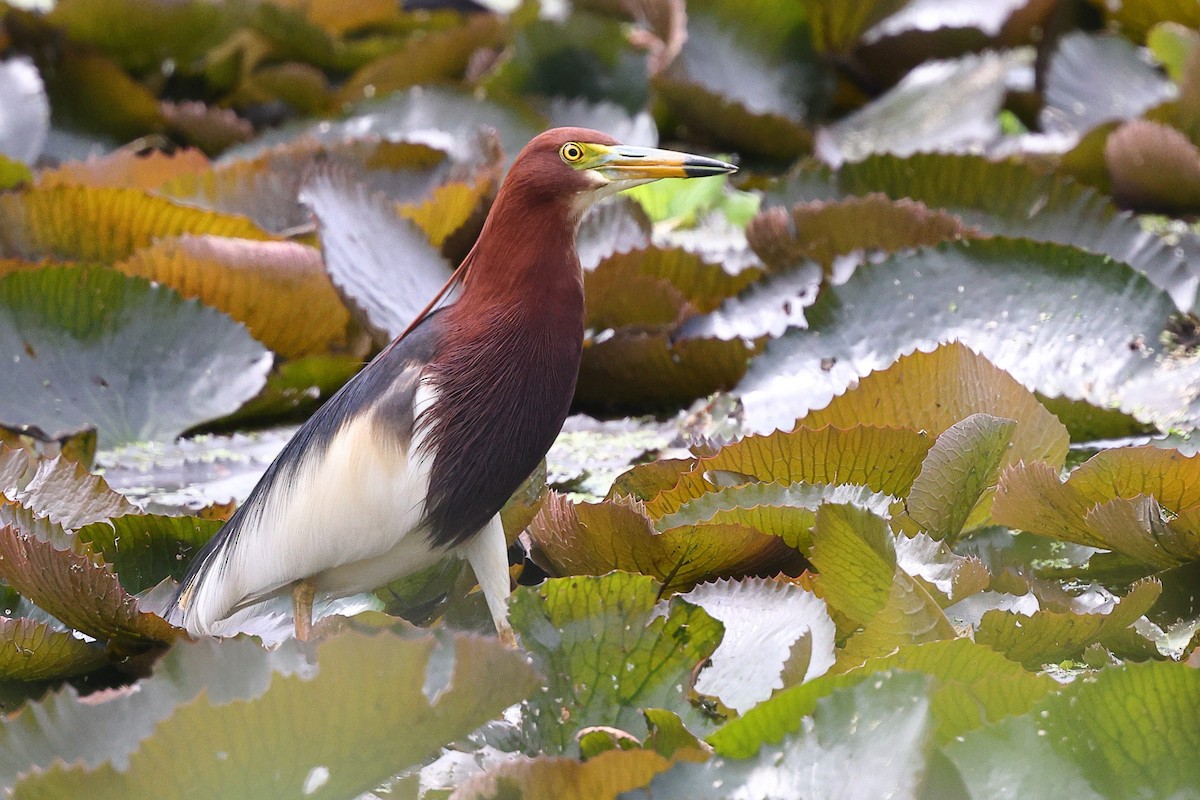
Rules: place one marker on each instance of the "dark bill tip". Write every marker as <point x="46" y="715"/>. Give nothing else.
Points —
<point x="702" y="167"/>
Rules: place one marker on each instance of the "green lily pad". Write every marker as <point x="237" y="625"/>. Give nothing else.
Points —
<point x="365" y="716"/>
<point x="886" y="460"/>
<point x="1058" y="320"/>
<point x="92" y="346"/>
<point x="65" y="726"/>
<point x="1120" y="733"/>
<point x="960" y="468"/>
<point x="145" y="548"/>
<point x="1010" y="198"/>
<point x="1048" y="637"/>
<point x="33" y="651"/>
<point x="606" y="655"/>
<point x="867" y="740"/>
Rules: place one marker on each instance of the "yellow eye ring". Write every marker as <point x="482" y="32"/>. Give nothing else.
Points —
<point x="571" y="153"/>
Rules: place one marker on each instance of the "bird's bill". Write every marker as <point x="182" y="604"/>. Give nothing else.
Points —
<point x="628" y="163"/>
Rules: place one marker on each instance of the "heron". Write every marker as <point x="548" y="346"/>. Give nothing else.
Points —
<point x="412" y="460"/>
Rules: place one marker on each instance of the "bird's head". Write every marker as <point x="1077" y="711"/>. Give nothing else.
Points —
<point x="580" y="166"/>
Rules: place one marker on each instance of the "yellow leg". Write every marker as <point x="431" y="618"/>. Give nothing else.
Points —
<point x="302" y="603"/>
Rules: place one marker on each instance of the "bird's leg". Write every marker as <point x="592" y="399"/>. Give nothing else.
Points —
<point x="302" y="603"/>
<point x="488" y="555"/>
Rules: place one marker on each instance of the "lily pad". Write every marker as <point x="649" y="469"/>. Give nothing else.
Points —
<point x="602" y="777"/>
<point x="87" y="597"/>
<point x="260" y="284"/>
<point x="325" y="749"/>
<point x="744" y="79"/>
<point x="607" y="654"/>
<point x="866" y="740"/>
<point x="125" y="168"/>
<point x="594" y="539"/>
<point x="1058" y="320"/>
<point x="383" y="265"/>
<point x="1075" y="102"/>
<point x="143" y="549"/>
<point x="940" y="105"/>
<point x="1111" y="735"/>
<point x="101" y="224"/>
<point x="67" y="494"/>
<point x="33" y="651"/>
<point x="134" y="359"/>
<point x="886" y="460"/>
<point x="1009" y="198"/>
<point x="1133" y="500"/>
<point x="766" y="618"/>
<point x="1048" y="637"/>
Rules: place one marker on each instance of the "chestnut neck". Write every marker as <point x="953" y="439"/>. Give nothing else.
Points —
<point x="525" y="256"/>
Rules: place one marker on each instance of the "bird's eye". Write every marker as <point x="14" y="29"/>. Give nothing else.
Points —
<point x="571" y="152"/>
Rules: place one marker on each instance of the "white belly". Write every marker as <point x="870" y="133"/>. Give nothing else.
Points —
<point x="350" y="519"/>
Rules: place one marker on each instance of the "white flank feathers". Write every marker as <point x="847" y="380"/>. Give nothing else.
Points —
<point x="348" y="519"/>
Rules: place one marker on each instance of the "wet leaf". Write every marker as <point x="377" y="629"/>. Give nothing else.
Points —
<point x="1048" y="637"/>
<point x="33" y="651"/>
<point x="596" y="538"/>
<point x="886" y="460"/>
<point x="260" y="284"/>
<point x="266" y="187"/>
<point x="431" y="58"/>
<point x="606" y="654"/>
<point x="965" y="383"/>
<point x="633" y="371"/>
<point x="974" y="685"/>
<point x="1075" y="102"/>
<point x="961" y="466"/>
<point x="763" y="621"/>
<point x="1115" y="501"/>
<point x="1065" y="315"/>
<point x="866" y="740"/>
<point x="838" y="26"/>
<point x="1136" y="17"/>
<point x="137" y="360"/>
<point x="822" y="231"/>
<point x="603" y="777"/>
<point x="145" y="548"/>
<point x="383" y="265"/>
<point x="744" y="79"/>
<point x="140" y="35"/>
<point x="941" y="105"/>
<point x="784" y="510"/>
<point x="1111" y="735"/>
<point x="87" y="597"/>
<point x="69" y="495"/>
<point x="613" y="298"/>
<point x="610" y="228"/>
<point x="1008" y="198"/>
<point x="101" y="224"/>
<point x="324" y="749"/>
<point x="127" y="169"/>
